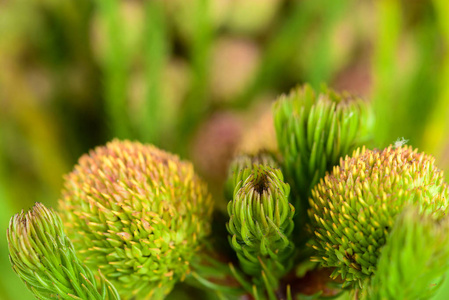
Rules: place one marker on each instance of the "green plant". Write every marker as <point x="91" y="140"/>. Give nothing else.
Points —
<point x="261" y="220"/>
<point x="142" y="216"/>
<point x="44" y="258"/>
<point x="138" y="214"/>
<point x="354" y="208"/>
<point x="315" y="129"/>
<point x="418" y="238"/>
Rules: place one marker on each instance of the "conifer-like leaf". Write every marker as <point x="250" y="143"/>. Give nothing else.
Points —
<point x="44" y="258"/>
<point x="261" y="220"/>
<point x="414" y="259"/>
<point x="241" y="167"/>
<point x="315" y="129"/>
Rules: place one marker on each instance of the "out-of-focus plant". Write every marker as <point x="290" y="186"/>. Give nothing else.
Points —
<point x="415" y="237"/>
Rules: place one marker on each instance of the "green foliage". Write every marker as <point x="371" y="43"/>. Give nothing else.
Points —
<point x="315" y="129"/>
<point x="137" y="213"/>
<point x="414" y="259"/>
<point x="115" y="65"/>
<point x="44" y="258"/>
<point x="243" y="165"/>
<point x="353" y="209"/>
<point x="261" y="220"/>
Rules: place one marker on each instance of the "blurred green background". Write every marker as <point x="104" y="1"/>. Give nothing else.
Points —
<point x="197" y="77"/>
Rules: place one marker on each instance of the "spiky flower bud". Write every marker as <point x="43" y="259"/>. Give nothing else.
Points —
<point x="414" y="260"/>
<point x="315" y="129"/>
<point x="242" y="166"/>
<point x="260" y="221"/>
<point x="138" y="213"/>
<point x="354" y="208"/>
<point x="44" y="258"/>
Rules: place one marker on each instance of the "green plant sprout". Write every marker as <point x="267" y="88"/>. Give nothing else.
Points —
<point x="44" y="257"/>
<point x="261" y="220"/>
<point x="324" y="217"/>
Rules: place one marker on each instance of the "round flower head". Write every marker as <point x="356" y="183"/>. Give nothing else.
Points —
<point x="137" y="213"/>
<point x="353" y="209"/>
<point x="315" y="129"/>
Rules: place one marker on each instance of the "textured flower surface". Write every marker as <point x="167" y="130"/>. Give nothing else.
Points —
<point x="44" y="258"/>
<point x="353" y="209"/>
<point x="314" y="130"/>
<point x="260" y="223"/>
<point x="137" y="213"/>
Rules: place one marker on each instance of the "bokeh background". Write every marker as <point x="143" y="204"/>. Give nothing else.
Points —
<point x="197" y="78"/>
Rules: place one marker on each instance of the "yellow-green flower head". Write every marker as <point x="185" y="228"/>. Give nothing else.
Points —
<point x="137" y="213"/>
<point x="353" y="209"/>
<point x="260" y="223"/>
<point x="315" y="129"/>
<point x="44" y="258"/>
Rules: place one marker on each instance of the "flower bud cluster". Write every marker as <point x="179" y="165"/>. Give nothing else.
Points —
<point x="137" y="213"/>
<point x="353" y="209"/>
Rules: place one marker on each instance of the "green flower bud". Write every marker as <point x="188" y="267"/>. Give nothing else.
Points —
<point x="314" y="130"/>
<point x="138" y="213"/>
<point x="246" y="163"/>
<point x="44" y="258"/>
<point x="260" y="223"/>
<point x="353" y="209"/>
<point x="414" y="260"/>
